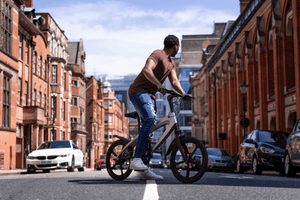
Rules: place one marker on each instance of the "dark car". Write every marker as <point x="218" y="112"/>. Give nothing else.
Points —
<point x="292" y="152"/>
<point x="156" y="160"/>
<point x="101" y="163"/>
<point x="262" y="150"/>
<point x="220" y="159"/>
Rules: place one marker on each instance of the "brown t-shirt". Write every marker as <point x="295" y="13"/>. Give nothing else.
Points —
<point x="161" y="72"/>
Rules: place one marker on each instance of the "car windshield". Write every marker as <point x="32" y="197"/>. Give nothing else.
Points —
<point x="156" y="156"/>
<point x="273" y="137"/>
<point x="55" y="145"/>
<point x="218" y="152"/>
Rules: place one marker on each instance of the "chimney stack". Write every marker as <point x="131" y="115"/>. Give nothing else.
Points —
<point x="243" y="4"/>
<point x="28" y="3"/>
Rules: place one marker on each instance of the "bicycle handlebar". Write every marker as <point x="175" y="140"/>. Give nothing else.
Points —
<point x="172" y="92"/>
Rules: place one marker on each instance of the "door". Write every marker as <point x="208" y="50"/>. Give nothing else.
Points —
<point x="19" y="155"/>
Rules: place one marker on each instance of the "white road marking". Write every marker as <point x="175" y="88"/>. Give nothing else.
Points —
<point x="236" y="177"/>
<point x="151" y="191"/>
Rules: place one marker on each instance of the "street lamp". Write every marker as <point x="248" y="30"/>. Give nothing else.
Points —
<point x="244" y="88"/>
<point x="54" y="90"/>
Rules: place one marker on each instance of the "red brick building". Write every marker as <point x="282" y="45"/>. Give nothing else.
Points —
<point x="262" y="49"/>
<point x="78" y="102"/>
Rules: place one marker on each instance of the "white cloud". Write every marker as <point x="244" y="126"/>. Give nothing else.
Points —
<point x="119" y="37"/>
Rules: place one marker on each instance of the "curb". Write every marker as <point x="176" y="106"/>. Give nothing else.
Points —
<point x="24" y="171"/>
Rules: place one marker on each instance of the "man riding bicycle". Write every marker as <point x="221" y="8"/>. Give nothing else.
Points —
<point x="141" y="92"/>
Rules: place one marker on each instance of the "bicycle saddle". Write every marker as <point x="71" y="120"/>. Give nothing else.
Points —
<point x="132" y="115"/>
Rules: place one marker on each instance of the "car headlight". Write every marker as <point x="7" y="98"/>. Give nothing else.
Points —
<point x="64" y="155"/>
<point x="211" y="160"/>
<point x="267" y="150"/>
<point x="159" y="162"/>
<point x="30" y="157"/>
<point x="150" y="162"/>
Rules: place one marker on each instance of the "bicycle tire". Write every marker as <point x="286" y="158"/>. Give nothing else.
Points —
<point x="116" y="166"/>
<point x="199" y="163"/>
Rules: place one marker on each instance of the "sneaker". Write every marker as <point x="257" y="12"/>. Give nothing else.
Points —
<point x="150" y="175"/>
<point x="137" y="164"/>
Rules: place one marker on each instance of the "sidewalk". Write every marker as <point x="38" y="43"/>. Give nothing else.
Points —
<point x="24" y="171"/>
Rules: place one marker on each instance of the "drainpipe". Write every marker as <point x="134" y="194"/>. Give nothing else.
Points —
<point x="33" y="44"/>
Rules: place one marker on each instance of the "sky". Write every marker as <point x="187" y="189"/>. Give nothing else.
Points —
<point x="119" y="35"/>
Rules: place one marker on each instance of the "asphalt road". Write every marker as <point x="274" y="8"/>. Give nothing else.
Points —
<point x="98" y="185"/>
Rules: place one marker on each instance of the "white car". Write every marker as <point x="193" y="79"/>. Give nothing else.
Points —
<point x="55" y="155"/>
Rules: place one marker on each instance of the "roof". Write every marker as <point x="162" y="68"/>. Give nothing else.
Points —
<point x="73" y="48"/>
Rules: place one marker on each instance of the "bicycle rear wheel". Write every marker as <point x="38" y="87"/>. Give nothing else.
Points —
<point x="193" y="168"/>
<point x="118" y="166"/>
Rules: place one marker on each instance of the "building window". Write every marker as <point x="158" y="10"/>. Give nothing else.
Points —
<point x="61" y="109"/>
<point x="45" y="104"/>
<point x="57" y="53"/>
<point x="5" y="26"/>
<point x="46" y="70"/>
<point x="65" y="83"/>
<point x="53" y="106"/>
<point x="109" y="119"/>
<point x="54" y="73"/>
<point x="20" y="46"/>
<point x="34" y="62"/>
<point x="52" y="135"/>
<point x="105" y="135"/>
<point x="60" y="137"/>
<point x="40" y="98"/>
<point x="19" y="90"/>
<point x="64" y="111"/>
<point x="62" y="76"/>
<point x="26" y="86"/>
<point x="74" y="101"/>
<point x="27" y="52"/>
<point x="18" y="130"/>
<point x="105" y="104"/>
<point x="6" y="101"/>
<point x="105" y="119"/>
<point x="63" y="135"/>
<point x="98" y="133"/>
<point x="41" y="66"/>
<point x="74" y="83"/>
<point x="109" y="104"/>
<point x="34" y="97"/>
<point x="110" y="135"/>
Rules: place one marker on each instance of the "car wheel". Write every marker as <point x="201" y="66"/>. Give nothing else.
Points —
<point x="71" y="168"/>
<point x="239" y="167"/>
<point x="255" y="167"/>
<point x="46" y="171"/>
<point x="289" y="170"/>
<point x="81" y="169"/>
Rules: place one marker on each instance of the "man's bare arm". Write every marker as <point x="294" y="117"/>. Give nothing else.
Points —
<point x="148" y="73"/>
<point x="175" y="83"/>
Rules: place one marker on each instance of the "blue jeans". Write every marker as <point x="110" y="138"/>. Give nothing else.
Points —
<point x="145" y="107"/>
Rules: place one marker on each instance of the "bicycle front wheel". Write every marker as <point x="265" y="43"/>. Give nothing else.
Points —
<point x="118" y="165"/>
<point x="192" y="168"/>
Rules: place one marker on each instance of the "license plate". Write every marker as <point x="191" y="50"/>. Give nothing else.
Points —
<point x="221" y="164"/>
<point x="46" y="162"/>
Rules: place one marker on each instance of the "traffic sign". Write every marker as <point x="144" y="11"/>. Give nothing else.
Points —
<point x="245" y="122"/>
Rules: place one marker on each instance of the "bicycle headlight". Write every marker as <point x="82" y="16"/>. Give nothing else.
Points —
<point x="266" y="150"/>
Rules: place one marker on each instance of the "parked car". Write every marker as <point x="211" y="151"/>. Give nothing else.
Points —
<point x="292" y="152"/>
<point x="183" y="165"/>
<point x="156" y="160"/>
<point x="101" y="162"/>
<point x="262" y="150"/>
<point x="220" y="159"/>
<point x="55" y="155"/>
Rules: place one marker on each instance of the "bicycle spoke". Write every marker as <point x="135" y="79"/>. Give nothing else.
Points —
<point x="114" y="153"/>
<point x="178" y="163"/>
<point x="193" y="153"/>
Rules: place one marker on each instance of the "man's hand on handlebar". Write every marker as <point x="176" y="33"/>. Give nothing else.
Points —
<point x="187" y="98"/>
<point x="162" y="90"/>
